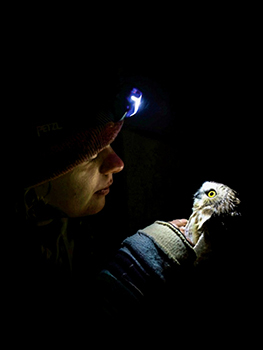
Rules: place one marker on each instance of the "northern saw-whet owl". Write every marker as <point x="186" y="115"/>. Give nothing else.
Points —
<point x="212" y="198"/>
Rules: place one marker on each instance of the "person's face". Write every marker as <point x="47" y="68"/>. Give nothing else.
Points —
<point x="82" y="191"/>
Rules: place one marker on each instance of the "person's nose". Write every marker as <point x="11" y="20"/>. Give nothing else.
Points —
<point x="111" y="163"/>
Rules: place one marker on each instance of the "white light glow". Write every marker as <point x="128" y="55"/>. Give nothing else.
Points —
<point x="137" y="103"/>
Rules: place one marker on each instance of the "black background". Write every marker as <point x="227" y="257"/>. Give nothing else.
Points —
<point x="200" y="120"/>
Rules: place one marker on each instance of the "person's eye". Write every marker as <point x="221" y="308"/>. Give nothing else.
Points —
<point x="94" y="157"/>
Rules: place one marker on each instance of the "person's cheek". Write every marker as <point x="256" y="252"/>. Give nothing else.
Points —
<point x="86" y="202"/>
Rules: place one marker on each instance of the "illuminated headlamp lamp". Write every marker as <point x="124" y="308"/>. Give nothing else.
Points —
<point x="134" y="100"/>
<point x="127" y="104"/>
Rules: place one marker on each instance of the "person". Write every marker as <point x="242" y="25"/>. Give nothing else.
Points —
<point x="67" y="171"/>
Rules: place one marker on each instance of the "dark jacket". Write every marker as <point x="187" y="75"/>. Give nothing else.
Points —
<point x="151" y="279"/>
<point x="149" y="261"/>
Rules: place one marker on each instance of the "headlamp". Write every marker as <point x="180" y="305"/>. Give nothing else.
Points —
<point x="127" y="104"/>
<point x="134" y="100"/>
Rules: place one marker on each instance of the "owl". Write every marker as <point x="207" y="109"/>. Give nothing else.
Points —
<point x="211" y="198"/>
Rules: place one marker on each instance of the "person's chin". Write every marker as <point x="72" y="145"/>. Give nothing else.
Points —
<point x="96" y="207"/>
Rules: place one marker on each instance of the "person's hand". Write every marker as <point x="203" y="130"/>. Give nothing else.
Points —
<point x="179" y="223"/>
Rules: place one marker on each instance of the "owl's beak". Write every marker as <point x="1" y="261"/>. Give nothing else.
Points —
<point x="198" y="195"/>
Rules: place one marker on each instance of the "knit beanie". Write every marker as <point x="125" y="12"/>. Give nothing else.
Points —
<point x="62" y="126"/>
<point x="56" y="148"/>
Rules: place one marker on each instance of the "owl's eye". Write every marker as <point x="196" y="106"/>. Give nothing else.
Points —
<point x="211" y="194"/>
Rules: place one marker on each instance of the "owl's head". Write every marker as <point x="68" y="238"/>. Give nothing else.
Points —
<point x="217" y="196"/>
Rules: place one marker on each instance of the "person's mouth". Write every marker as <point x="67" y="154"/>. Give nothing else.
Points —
<point x="104" y="191"/>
